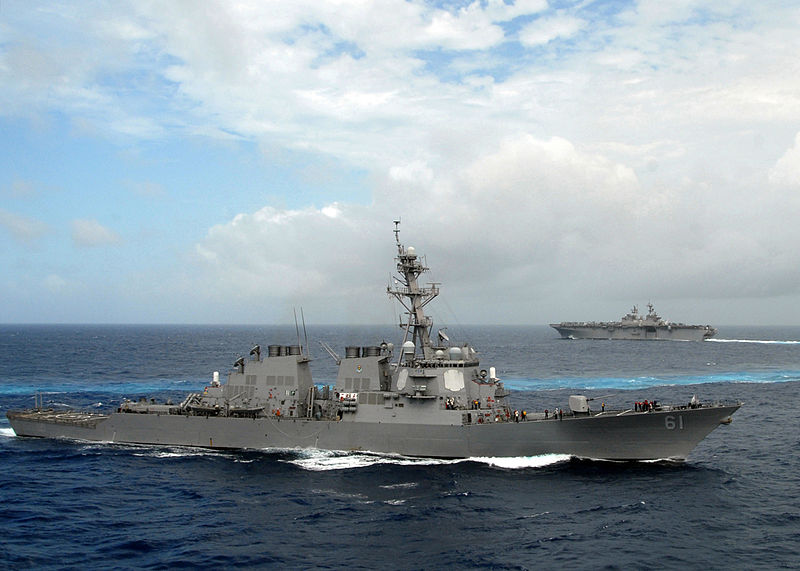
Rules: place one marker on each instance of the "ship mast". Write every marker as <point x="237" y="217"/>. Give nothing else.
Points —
<point x="413" y="297"/>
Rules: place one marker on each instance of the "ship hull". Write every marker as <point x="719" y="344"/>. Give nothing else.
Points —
<point x="667" y="434"/>
<point x="634" y="333"/>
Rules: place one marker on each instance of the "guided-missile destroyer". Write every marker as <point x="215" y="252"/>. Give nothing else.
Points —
<point x="428" y="397"/>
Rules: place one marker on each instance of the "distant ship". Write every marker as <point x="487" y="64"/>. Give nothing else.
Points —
<point x="634" y="326"/>
<point x="428" y="397"/>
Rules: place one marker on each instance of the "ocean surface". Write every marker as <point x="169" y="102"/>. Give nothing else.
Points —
<point x="734" y="504"/>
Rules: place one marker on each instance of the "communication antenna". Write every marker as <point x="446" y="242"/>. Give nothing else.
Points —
<point x="305" y="333"/>
<point x="296" y="327"/>
<point x="397" y="230"/>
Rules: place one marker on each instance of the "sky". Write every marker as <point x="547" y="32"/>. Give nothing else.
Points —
<point x="235" y="162"/>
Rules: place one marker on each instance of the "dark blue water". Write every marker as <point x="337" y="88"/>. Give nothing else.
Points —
<point x="734" y="504"/>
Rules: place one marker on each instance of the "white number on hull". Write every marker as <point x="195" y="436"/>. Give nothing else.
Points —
<point x="671" y="424"/>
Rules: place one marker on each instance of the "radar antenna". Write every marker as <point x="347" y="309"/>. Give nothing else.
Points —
<point x="397" y="230"/>
<point x="413" y="297"/>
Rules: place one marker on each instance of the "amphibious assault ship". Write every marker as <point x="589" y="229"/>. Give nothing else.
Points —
<point x="634" y="326"/>
<point x="428" y="397"/>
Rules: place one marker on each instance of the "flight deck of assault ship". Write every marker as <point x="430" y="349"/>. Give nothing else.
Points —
<point x="634" y="326"/>
<point x="428" y="398"/>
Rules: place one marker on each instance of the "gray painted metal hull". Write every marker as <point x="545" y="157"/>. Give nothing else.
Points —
<point x="633" y="325"/>
<point x="667" y="434"/>
<point x="616" y="332"/>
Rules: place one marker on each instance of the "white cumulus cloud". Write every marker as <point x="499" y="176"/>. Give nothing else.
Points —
<point x="787" y="170"/>
<point x="23" y="229"/>
<point x="90" y="234"/>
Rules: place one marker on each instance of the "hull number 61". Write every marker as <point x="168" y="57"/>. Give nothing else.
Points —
<point x="671" y="422"/>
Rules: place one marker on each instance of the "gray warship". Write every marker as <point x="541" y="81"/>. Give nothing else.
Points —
<point x="428" y="398"/>
<point x="633" y="325"/>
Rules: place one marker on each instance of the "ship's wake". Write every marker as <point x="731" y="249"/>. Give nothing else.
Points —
<point x="322" y="460"/>
<point x="521" y="462"/>
<point x="644" y="382"/>
<point x="758" y="341"/>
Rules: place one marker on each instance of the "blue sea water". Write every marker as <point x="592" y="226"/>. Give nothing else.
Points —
<point x="735" y="503"/>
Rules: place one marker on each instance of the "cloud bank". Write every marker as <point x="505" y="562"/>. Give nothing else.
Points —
<point x="554" y="161"/>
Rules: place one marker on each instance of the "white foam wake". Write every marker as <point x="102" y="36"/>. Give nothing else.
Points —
<point x="520" y="462"/>
<point x="188" y="452"/>
<point x="320" y="460"/>
<point x="761" y="341"/>
<point x="7" y="432"/>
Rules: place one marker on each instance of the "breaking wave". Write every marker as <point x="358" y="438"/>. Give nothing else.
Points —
<point x="322" y="460"/>
<point x="522" y="462"/>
